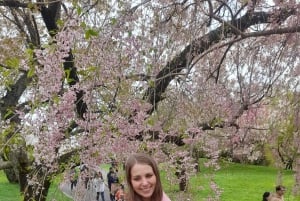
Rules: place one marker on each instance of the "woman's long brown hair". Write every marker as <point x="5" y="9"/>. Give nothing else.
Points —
<point x="140" y="158"/>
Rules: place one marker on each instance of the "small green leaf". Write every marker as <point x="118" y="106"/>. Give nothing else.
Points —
<point x="8" y="113"/>
<point x="30" y="73"/>
<point x="13" y="62"/>
<point x="79" y="10"/>
<point x="83" y="24"/>
<point x="60" y="22"/>
<point x="89" y="33"/>
<point x="113" y="21"/>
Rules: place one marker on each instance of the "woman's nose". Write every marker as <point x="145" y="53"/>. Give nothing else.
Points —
<point x="144" y="181"/>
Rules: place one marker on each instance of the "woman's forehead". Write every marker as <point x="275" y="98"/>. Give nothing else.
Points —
<point x="140" y="169"/>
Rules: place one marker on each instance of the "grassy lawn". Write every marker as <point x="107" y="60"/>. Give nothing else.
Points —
<point x="237" y="183"/>
<point x="55" y="193"/>
<point x="10" y="192"/>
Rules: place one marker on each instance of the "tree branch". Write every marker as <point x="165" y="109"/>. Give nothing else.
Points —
<point x="18" y="4"/>
<point x="154" y="93"/>
<point x="14" y="4"/>
<point x="5" y="165"/>
<point x="13" y="95"/>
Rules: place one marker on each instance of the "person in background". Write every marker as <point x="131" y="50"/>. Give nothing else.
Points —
<point x="112" y="181"/>
<point x="85" y="175"/>
<point x="278" y="196"/>
<point x="120" y="194"/>
<point x="99" y="186"/>
<point x="266" y="196"/>
<point x="73" y="177"/>
<point x="143" y="179"/>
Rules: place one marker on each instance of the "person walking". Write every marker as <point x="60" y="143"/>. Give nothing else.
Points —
<point x="112" y="181"/>
<point x="99" y="186"/>
<point x="143" y="179"/>
<point x="73" y="177"/>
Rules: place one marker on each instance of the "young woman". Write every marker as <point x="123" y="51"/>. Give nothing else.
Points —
<point x="143" y="179"/>
<point x="99" y="186"/>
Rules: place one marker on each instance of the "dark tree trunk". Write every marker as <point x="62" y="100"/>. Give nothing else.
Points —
<point x="37" y="193"/>
<point x="182" y="184"/>
<point x="39" y="190"/>
<point x="11" y="176"/>
<point x="182" y="181"/>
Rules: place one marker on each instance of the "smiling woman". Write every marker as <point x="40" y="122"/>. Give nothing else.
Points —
<point x="143" y="179"/>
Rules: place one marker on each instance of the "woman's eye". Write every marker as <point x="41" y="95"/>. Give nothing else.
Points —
<point x="149" y="175"/>
<point x="136" y="179"/>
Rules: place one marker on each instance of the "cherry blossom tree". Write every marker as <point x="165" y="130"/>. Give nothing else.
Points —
<point x="88" y="81"/>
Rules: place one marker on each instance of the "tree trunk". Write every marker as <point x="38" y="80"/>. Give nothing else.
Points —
<point x="297" y="177"/>
<point x="11" y="176"/>
<point x="38" y="191"/>
<point x="183" y="182"/>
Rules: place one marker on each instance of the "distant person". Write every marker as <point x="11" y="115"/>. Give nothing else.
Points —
<point x="278" y="196"/>
<point x="112" y="181"/>
<point x="266" y="196"/>
<point x="99" y="186"/>
<point x="143" y="179"/>
<point x="85" y="175"/>
<point x="114" y="165"/>
<point x="73" y="177"/>
<point x="120" y="194"/>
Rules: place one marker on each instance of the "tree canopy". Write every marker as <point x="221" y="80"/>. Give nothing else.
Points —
<point x="87" y="81"/>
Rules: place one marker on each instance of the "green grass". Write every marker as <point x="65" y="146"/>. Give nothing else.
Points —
<point x="237" y="182"/>
<point x="55" y="193"/>
<point x="10" y="192"/>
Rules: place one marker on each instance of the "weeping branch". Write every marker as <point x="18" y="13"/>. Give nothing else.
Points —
<point x="154" y="94"/>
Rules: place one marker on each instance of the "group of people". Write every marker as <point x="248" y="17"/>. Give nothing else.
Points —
<point x="90" y="180"/>
<point x="143" y="181"/>
<point x="277" y="196"/>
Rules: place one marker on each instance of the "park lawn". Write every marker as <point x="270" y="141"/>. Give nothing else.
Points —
<point x="55" y="193"/>
<point x="237" y="182"/>
<point x="10" y="192"/>
<point x="251" y="182"/>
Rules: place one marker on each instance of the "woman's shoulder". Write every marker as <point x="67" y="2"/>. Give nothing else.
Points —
<point x="165" y="197"/>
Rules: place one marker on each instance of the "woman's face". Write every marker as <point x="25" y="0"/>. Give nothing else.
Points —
<point x="143" y="180"/>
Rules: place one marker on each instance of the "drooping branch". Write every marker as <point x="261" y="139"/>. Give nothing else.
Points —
<point x="154" y="93"/>
<point x="51" y="14"/>
<point x="18" y="4"/>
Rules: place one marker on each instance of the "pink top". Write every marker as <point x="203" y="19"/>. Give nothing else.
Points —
<point x="165" y="197"/>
